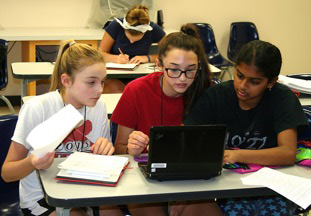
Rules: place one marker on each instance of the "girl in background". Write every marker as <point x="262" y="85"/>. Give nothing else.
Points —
<point x="164" y="98"/>
<point x="128" y="40"/>
<point x="263" y="118"/>
<point x="78" y="79"/>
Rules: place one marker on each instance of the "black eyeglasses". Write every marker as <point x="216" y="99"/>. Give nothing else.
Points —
<point x="176" y="73"/>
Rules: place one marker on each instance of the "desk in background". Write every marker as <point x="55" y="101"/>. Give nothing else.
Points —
<point x="28" y="71"/>
<point x="134" y="188"/>
<point x="33" y="37"/>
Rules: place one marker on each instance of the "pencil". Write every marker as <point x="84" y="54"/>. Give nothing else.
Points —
<point x="120" y="51"/>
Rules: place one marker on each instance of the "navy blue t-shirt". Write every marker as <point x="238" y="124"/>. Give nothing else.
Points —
<point x="141" y="47"/>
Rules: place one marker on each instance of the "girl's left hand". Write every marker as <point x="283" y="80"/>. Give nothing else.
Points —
<point x="231" y="156"/>
<point x="139" y="59"/>
<point x="102" y="147"/>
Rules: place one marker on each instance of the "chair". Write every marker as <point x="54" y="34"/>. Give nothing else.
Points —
<point x="9" y="199"/>
<point x="4" y="72"/>
<point x="240" y="34"/>
<point x="160" y="18"/>
<point x="212" y="53"/>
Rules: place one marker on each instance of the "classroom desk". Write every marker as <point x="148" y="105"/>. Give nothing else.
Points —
<point x="33" y="37"/>
<point x="134" y="188"/>
<point x="28" y="71"/>
<point x="305" y="101"/>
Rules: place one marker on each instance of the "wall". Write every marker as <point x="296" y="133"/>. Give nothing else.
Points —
<point x="285" y="23"/>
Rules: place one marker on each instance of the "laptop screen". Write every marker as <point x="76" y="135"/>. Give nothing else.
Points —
<point x="187" y="144"/>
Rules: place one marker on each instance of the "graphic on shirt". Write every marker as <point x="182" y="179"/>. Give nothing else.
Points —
<point x="251" y="140"/>
<point x="73" y="142"/>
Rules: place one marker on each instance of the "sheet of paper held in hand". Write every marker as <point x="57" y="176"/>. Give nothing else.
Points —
<point x="45" y="137"/>
<point x="294" y="188"/>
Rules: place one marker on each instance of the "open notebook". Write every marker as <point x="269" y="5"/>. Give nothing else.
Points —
<point x="90" y="168"/>
<point x="116" y="66"/>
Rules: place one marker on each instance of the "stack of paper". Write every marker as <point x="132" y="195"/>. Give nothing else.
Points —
<point x="116" y="66"/>
<point x="45" y="137"/>
<point x="92" y="169"/>
<point x="303" y="86"/>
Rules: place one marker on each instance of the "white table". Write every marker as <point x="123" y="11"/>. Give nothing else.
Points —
<point x="305" y="101"/>
<point x="134" y="188"/>
<point x="33" y="37"/>
<point x="28" y="71"/>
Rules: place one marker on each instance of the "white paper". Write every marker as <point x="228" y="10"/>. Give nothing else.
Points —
<point x="128" y="66"/>
<point x="294" y="188"/>
<point x="93" y="167"/>
<point x="303" y="86"/>
<point x="45" y="137"/>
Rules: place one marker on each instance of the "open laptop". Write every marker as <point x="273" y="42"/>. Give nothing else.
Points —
<point x="185" y="152"/>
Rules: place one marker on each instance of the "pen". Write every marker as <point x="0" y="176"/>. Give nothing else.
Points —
<point x="120" y="51"/>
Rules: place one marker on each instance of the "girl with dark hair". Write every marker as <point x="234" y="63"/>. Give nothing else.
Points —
<point x="163" y="98"/>
<point x="263" y="119"/>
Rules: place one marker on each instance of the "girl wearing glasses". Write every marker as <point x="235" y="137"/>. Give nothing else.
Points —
<point x="263" y="118"/>
<point x="164" y="98"/>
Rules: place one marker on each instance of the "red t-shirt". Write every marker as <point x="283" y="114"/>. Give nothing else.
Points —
<point x="143" y="105"/>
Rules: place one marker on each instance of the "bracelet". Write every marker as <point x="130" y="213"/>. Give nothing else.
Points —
<point x="148" y="58"/>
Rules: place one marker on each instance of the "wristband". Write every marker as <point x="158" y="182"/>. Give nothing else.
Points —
<point x="148" y="58"/>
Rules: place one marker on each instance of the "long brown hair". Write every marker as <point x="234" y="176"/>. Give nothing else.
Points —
<point x="71" y="58"/>
<point x="188" y="39"/>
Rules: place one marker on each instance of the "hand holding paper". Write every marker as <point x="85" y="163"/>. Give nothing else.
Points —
<point x="46" y="136"/>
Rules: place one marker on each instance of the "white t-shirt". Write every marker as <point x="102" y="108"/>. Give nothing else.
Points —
<point x="39" y="109"/>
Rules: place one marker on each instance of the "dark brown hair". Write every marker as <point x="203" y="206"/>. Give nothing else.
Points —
<point x="263" y="55"/>
<point x="188" y="39"/>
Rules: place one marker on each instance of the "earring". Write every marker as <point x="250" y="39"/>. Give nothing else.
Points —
<point x="269" y="87"/>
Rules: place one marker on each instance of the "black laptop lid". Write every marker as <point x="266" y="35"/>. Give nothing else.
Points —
<point x="186" y="149"/>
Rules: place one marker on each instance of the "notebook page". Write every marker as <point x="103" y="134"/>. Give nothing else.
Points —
<point x="93" y="164"/>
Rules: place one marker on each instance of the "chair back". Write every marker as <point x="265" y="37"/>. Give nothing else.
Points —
<point x="208" y="38"/>
<point x="7" y="127"/>
<point x="3" y="64"/>
<point x="240" y="33"/>
<point x="213" y="55"/>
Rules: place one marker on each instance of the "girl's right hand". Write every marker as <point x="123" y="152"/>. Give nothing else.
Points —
<point x="44" y="162"/>
<point x="123" y="59"/>
<point x="137" y="142"/>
